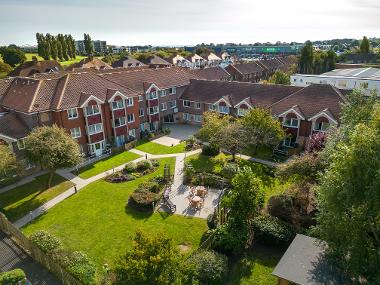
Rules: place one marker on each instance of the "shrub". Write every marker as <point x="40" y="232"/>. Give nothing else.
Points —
<point x="155" y="162"/>
<point x="129" y="177"/>
<point x="225" y="239"/>
<point x="229" y="170"/>
<point x="142" y="199"/>
<point x="80" y="266"/>
<point x="16" y="276"/>
<point x="143" y="165"/>
<point x="210" y="150"/>
<point x="45" y="241"/>
<point x="212" y="221"/>
<point x="160" y="179"/>
<point x="210" y="180"/>
<point x="272" y="231"/>
<point x="210" y="267"/>
<point x="150" y="186"/>
<point x="281" y="206"/>
<point x="130" y="167"/>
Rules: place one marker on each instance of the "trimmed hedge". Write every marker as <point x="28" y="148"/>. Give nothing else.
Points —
<point x="45" y="241"/>
<point x="272" y="231"/>
<point x="146" y="193"/>
<point x="12" y="277"/>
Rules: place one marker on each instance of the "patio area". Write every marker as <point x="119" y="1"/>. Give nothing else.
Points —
<point x="178" y="133"/>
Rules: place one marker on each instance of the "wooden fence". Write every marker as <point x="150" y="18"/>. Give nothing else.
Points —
<point x="36" y="253"/>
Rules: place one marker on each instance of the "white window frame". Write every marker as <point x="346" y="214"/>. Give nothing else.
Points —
<point x="223" y="109"/>
<point x="186" y="116"/>
<point x="129" y="101"/>
<point x="133" y="118"/>
<point x="198" y="104"/>
<point x="133" y="131"/>
<point x="241" y="112"/>
<point x="323" y="129"/>
<point x="97" y="128"/>
<point x="198" y="118"/>
<point x="187" y="101"/>
<point x="117" y="105"/>
<point x="155" y="110"/>
<point x="141" y="112"/>
<point x="172" y="90"/>
<point x="152" y="95"/>
<point x="140" y="98"/>
<point x="291" y="122"/>
<point x="91" y="107"/>
<point x="75" y="132"/>
<point x="174" y="102"/>
<point x="163" y="93"/>
<point x="164" y="106"/>
<point x="21" y="144"/>
<point x="120" y="123"/>
<point x="212" y="107"/>
<point x="70" y="113"/>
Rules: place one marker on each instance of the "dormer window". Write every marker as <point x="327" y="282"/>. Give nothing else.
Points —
<point x="129" y="101"/>
<point x="119" y="104"/>
<point x="92" y="110"/>
<point x="224" y="109"/>
<point x="291" y="122"/>
<point x="152" y="95"/>
<point x="321" y="126"/>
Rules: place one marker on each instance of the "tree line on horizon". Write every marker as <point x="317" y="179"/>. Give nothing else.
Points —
<point x="60" y="47"/>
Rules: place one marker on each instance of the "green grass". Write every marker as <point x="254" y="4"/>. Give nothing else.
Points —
<point x="107" y="164"/>
<point x="272" y="185"/>
<point x="17" y="202"/>
<point x="155" y="148"/>
<point x="98" y="222"/>
<point x="263" y="260"/>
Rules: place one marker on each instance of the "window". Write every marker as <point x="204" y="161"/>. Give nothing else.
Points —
<point x="132" y="133"/>
<point x="172" y="90"/>
<point x="211" y="107"/>
<point x="152" y="95"/>
<point x="186" y="103"/>
<point x="289" y="142"/>
<point x="20" y="144"/>
<point x="172" y="104"/>
<point x="164" y="106"/>
<point x="92" y="110"/>
<point x="94" y="129"/>
<point x="140" y="98"/>
<point x="291" y="122"/>
<point x="364" y="85"/>
<point x="153" y="110"/>
<point x="186" y="117"/>
<point x="162" y="93"/>
<point x="322" y="126"/>
<point x="118" y="122"/>
<point x="75" y="133"/>
<point x="72" y="113"/>
<point x="131" y="118"/>
<point x="197" y="105"/>
<point x="129" y="101"/>
<point x="142" y="127"/>
<point x="197" y="118"/>
<point x="224" y="109"/>
<point x="141" y="112"/>
<point x="119" y="104"/>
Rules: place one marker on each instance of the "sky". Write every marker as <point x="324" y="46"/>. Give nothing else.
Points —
<point x="189" y="22"/>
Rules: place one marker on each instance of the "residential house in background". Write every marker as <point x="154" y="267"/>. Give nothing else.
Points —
<point x="211" y="59"/>
<point x="28" y="68"/>
<point x="89" y="63"/>
<point x="212" y="73"/>
<point x="196" y="61"/>
<point x="246" y="72"/>
<point x="155" y="61"/>
<point x="127" y="61"/>
<point x="227" y="59"/>
<point x="179" y="60"/>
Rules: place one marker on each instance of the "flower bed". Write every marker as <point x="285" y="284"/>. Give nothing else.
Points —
<point x="146" y="196"/>
<point x="132" y="171"/>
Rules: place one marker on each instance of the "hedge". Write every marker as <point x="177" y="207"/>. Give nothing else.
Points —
<point x="12" y="277"/>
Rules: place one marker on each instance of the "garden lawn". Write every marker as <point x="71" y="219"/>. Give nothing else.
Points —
<point x="106" y="164"/>
<point x="155" y="148"/>
<point x="98" y="221"/>
<point x="263" y="260"/>
<point x="214" y="164"/>
<point x="17" y="202"/>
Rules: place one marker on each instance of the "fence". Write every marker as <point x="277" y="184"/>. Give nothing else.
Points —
<point x="36" y="253"/>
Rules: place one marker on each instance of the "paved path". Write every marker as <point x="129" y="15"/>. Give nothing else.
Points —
<point x="258" y="160"/>
<point x="12" y="257"/>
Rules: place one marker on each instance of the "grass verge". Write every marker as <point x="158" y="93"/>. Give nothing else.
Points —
<point x="155" y="148"/>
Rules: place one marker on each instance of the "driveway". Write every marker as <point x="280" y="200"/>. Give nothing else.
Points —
<point x="12" y="257"/>
<point x="178" y="132"/>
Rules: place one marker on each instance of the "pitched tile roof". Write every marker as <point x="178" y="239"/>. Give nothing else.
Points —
<point x="154" y="59"/>
<point x="312" y="100"/>
<point x="162" y="77"/>
<point x="248" y="68"/>
<point x="212" y="73"/>
<point x="12" y="125"/>
<point x="93" y="63"/>
<point x="29" y="68"/>
<point x="258" y="94"/>
<point x="126" y="61"/>
<point x="273" y="63"/>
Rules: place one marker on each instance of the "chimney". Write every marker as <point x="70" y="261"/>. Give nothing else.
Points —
<point x="34" y="59"/>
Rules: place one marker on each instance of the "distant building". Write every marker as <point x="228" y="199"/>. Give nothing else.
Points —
<point x="212" y="73"/>
<point x="99" y="47"/>
<point x="127" y="61"/>
<point x="155" y="61"/>
<point x="89" y="63"/>
<point x="365" y="78"/>
<point x="29" y="68"/>
<point x="179" y="60"/>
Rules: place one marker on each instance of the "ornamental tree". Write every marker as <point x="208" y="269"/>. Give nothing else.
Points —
<point x="212" y="123"/>
<point x="9" y="166"/>
<point x="51" y="148"/>
<point x="280" y="77"/>
<point x="261" y="128"/>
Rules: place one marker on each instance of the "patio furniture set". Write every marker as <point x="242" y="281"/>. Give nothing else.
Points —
<point x="197" y="197"/>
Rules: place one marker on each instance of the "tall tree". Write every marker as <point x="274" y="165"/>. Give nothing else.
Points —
<point x="59" y="49"/>
<point x="306" y="59"/>
<point x="280" y="77"/>
<point x="153" y="260"/>
<point x="12" y="56"/>
<point x="72" y="45"/>
<point x="52" y="147"/>
<point x="261" y="128"/>
<point x="62" y="41"/>
<point x="330" y="60"/>
<point x="54" y="47"/>
<point x="212" y="123"/>
<point x="9" y="165"/>
<point x="88" y="45"/>
<point x="364" y="45"/>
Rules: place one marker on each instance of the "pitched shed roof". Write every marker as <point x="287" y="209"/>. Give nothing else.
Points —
<point x="305" y="263"/>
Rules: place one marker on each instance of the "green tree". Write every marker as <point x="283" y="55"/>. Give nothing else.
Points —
<point x="72" y="46"/>
<point x="12" y="56"/>
<point x="54" y="47"/>
<point x="9" y="166"/>
<point x="59" y="49"/>
<point x="52" y="147"/>
<point x="212" y="123"/>
<point x="152" y="260"/>
<point x="261" y="128"/>
<point x="330" y="59"/>
<point x="63" y="43"/>
<point x="88" y="45"/>
<point x="364" y="45"/>
<point x="306" y="59"/>
<point x="5" y="68"/>
<point x="280" y="77"/>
